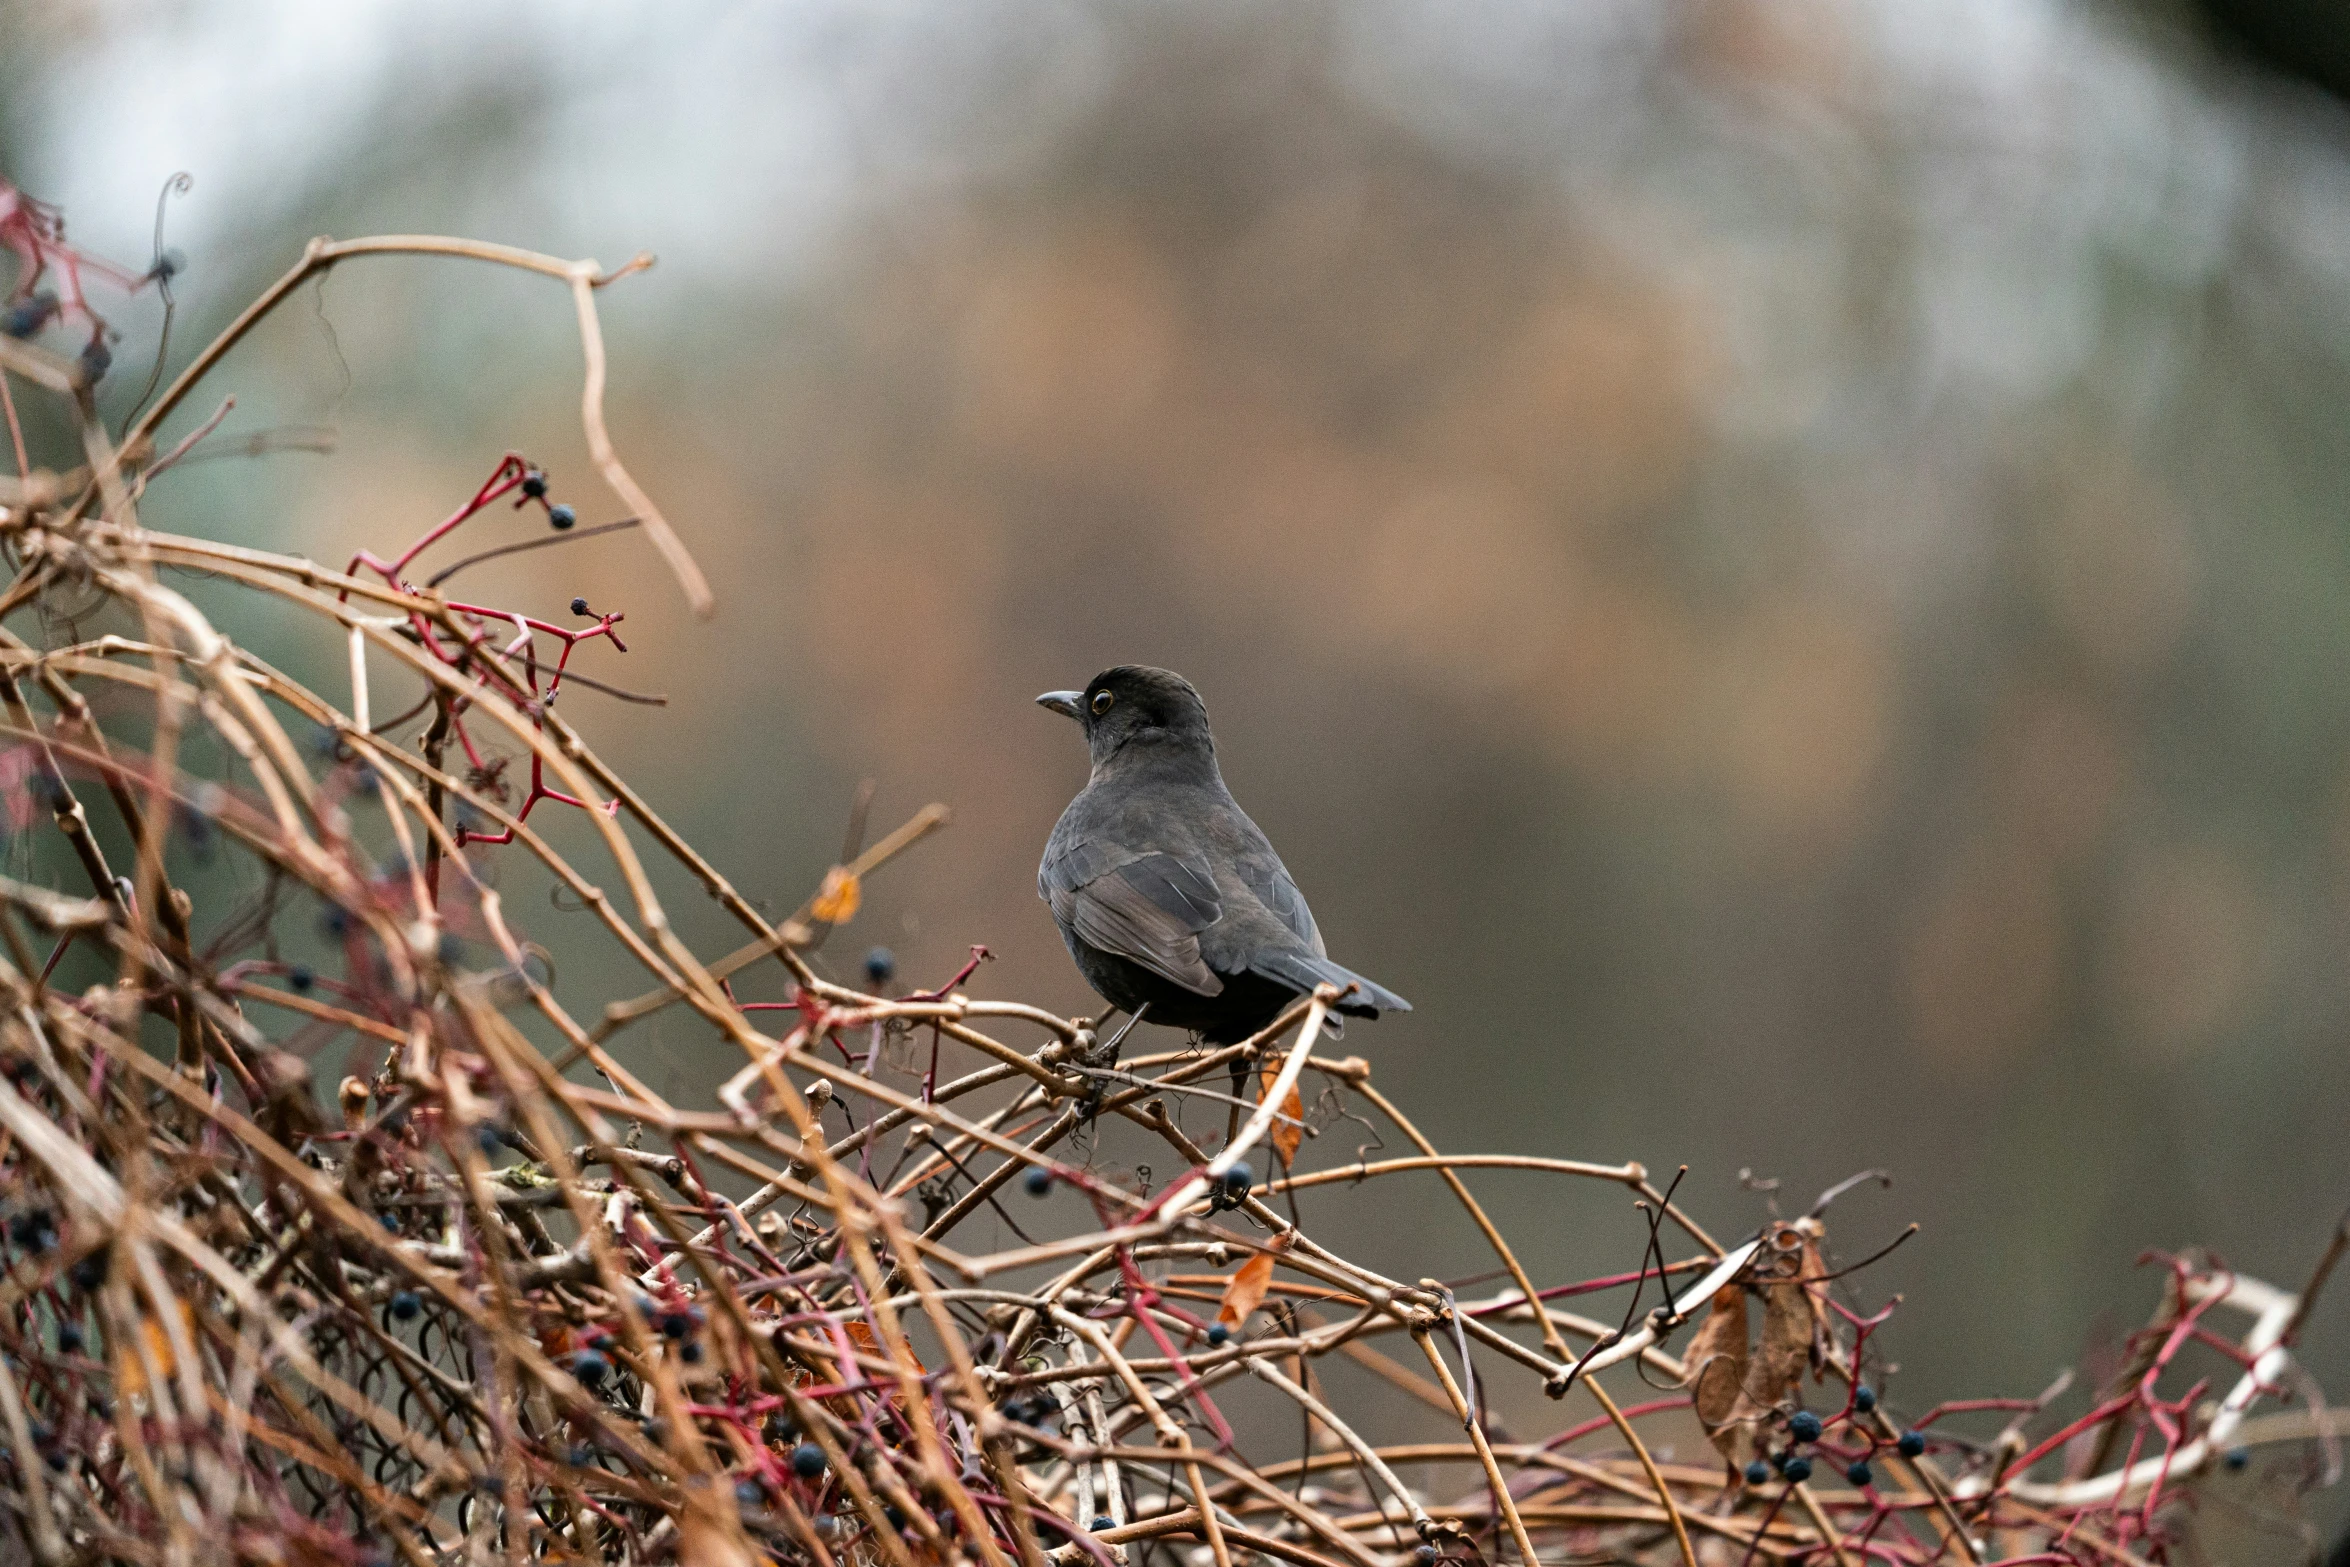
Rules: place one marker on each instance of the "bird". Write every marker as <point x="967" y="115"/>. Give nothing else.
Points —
<point x="1170" y="899"/>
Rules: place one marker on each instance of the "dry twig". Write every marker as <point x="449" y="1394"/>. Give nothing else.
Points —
<point x="240" y="1323"/>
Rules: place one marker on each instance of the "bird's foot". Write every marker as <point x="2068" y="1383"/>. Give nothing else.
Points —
<point x="1110" y="1049"/>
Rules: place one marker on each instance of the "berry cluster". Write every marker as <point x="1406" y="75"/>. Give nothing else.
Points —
<point x="1860" y="1443"/>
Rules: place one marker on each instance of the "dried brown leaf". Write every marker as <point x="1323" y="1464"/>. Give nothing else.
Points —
<point x="1247" y="1289"/>
<point x="837" y="900"/>
<point x="1792" y="1319"/>
<point x="869" y="1342"/>
<point x="131" y="1373"/>
<point x="1716" y="1365"/>
<point x="1290" y="1131"/>
<point x="1785" y="1349"/>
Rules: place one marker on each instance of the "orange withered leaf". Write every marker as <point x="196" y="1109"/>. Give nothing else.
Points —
<point x="131" y="1377"/>
<point x="1290" y="1131"/>
<point x="836" y="901"/>
<point x="869" y="1342"/>
<point x="1247" y="1289"/>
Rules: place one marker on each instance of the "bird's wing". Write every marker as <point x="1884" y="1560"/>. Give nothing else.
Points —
<point x="1263" y="910"/>
<point x="1146" y="908"/>
<point x="1269" y="879"/>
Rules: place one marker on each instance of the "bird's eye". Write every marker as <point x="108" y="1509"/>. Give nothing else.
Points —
<point x="1101" y="702"/>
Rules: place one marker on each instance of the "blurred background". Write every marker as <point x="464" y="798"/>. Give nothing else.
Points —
<point x="1778" y="566"/>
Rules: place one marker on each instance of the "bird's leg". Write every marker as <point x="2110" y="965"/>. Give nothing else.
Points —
<point x="1110" y="1050"/>
<point x="1105" y="1055"/>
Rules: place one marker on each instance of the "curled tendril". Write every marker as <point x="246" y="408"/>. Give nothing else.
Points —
<point x="162" y="269"/>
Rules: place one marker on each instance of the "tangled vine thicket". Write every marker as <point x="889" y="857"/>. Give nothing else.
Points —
<point x="489" y="1301"/>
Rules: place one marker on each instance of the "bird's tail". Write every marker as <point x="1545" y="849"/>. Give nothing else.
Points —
<point x="1304" y="970"/>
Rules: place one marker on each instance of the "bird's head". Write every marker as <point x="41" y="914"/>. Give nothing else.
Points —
<point x="1134" y="703"/>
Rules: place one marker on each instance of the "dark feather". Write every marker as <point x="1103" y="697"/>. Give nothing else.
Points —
<point x="1149" y="910"/>
<point x="1302" y="971"/>
<point x="1165" y="891"/>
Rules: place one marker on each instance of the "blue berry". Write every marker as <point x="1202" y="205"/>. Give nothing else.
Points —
<point x="301" y="976"/>
<point x="1105" y="1521"/>
<point x="1912" y="1443"/>
<point x="1219" y="1335"/>
<point x="691" y="1354"/>
<point x="561" y="517"/>
<point x="750" y="1493"/>
<point x="590" y="1368"/>
<point x="90" y="1272"/>
<point x="675" y="1324"/>
<point x="579" y="607"/>
<point x="69" y="1338"/>
<point x="1040" y="1182"/>
<point x="807" y="1460"/>
<point x="581" y="1455"/>
<point x="880" y="965"/>
<point x="1424" y="1554"/>
<point x="1757" y="1472"/>
<point x="1864" y="1398"/>
<point x="28" y="316"/>
<point x="1858" y="1473"/>
<point x="489" y="1138"/>
<point x="1797" y="1470"/>
<point x="2237" y="1457"/>
<point x="1804" y="1426"/>
<point x="406" y="1304"/>
<point x="534" y="484"/>
<point x="1239" y="1180"/>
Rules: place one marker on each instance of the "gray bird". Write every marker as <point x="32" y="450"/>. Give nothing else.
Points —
<point x="1169" y="897"/>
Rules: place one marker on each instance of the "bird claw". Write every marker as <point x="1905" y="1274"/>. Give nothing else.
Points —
<point x="1091" y="1050"/>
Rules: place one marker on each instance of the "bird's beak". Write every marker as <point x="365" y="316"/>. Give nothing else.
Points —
<point x="1069" y="704"/>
